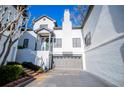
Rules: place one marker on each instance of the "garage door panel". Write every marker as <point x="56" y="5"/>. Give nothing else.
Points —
<point x="68" y="63"/>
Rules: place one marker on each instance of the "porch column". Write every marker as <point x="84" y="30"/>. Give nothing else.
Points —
<point x="49" y="50"/>
<point x="49" y="41"/>
<point x="37" y="47"/>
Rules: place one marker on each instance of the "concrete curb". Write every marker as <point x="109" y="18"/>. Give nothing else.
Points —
<point x="25" y="82"/>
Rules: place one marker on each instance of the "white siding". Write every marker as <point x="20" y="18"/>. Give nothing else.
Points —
<point x="50" y="23"/>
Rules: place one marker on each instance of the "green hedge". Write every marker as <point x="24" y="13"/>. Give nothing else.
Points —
<point x="13" y="63"/>
<point x="10" y="73"/>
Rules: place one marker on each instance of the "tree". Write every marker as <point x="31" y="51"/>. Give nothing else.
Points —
<point x="78" y="14"/>
<point x="11" y="28"/>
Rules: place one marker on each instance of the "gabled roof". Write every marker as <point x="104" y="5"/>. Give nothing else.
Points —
<point x="43" y="17"/>
<point x="49" y="30"/>
<point x="46" y="17"/>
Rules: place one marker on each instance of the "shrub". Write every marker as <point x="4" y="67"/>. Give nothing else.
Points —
<point x="20" y="47"/>
<point x="10" y="73"/>
<point x="13" y="63"/>
<point x="31" y="66"/>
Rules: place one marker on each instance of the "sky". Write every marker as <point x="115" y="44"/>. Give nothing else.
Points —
<point x="56" y="12"/>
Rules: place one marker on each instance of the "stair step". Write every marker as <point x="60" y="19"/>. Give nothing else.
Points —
<point x="31" y="72"/>
<point x="27" y="70"/>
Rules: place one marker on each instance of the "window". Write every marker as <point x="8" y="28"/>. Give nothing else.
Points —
<point x="6" y="8"/>
<point x="45" y="44"/>
<point x="44" y="19"/>
<point x="88" y="39"/>
<point x="43" y="26"/>
<point x="76" y="42"/>
<point x="25" y="43"/>
<point x="58" y="43"/>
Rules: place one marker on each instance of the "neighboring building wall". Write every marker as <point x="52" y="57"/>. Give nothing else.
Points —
<point x="105" y="54"/>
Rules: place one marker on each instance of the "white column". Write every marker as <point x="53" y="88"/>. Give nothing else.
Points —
<point x="49" y="41"/>
<point x="49" y="50"/>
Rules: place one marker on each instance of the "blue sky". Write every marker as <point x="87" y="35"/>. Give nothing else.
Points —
<point x="54" y="11"/>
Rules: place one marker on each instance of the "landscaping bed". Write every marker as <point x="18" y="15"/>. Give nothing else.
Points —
<point x="32" y="66"/>
<point x="14" y="73"/>
<point x="9" y="73"/>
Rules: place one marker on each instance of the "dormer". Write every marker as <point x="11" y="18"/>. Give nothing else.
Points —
<point x="44" y="22"/>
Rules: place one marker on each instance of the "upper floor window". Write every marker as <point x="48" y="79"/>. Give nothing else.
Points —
<point x="25" y="43"/>
<point x="76" y="42"/>
<point x="58" y="43"/>
<point x="44" y="19"/>
<point x="88" y="39"/>
<point x="43" y="26"/>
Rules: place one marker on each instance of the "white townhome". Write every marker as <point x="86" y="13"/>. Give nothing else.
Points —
<point x="48" y="44"/>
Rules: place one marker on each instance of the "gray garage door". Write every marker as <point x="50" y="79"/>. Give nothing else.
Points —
<point x="68" y="62"/>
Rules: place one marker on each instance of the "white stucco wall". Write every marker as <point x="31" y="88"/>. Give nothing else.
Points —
<point x="67" y="44"/>
<point x="105" y="55"/>
<point x="77" y="34"/>
<point x="31" y="35"/>
<point x="44" y="55"/>
<point x="67" y="34"/>
<point x="58" y="34"/>
<point x="26" y="55"/>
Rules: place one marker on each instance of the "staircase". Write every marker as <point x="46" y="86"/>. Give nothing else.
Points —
<point x="30" y="72"/>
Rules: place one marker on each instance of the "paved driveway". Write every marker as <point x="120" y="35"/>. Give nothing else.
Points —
<point x="68" y="78"/>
